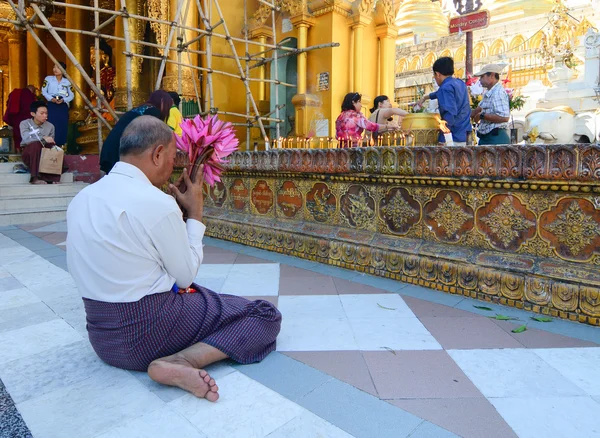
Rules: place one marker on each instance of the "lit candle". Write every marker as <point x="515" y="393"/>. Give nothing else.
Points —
<point x="310" y="142"/>
<point x="395" y="140"/>
<point x="321" y="143"/>
<point x="388" y="140"/>
<point x="371" y="143"/>
<point x="267" y="144"/>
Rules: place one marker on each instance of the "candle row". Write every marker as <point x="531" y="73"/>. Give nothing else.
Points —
<point x="395" y="139"/>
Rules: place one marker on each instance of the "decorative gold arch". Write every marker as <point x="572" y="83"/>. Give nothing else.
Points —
<point x="415" y="63"/>
<point x="428" y="60"/>
<point x="460" y="54"/>
<point x="402" y="65"/>
<point x="446" y="52"/>
<point x="537" y="40"/>
<point x="480" y="50"/>
<point x="518" y="44"/>
<point x="498" y="47"/>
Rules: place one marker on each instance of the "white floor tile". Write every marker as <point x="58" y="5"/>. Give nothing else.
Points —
<point x="308" y="425"/>
<point x="580" y="365"/>
<point x="556" y="417"/>
<point x="252" y="280"/>
<point x="162" y="423"/>
<point x="375" y="306"/>
<point x="4" y="273"/>
<point x="34" y="339"/>
<point x="89" y="408"/>
<point x="16" y="298"/>
<point x="214" y="271"/>
<point x="311" y="306"/>
<point x="59" y="227"/>
<point x="245" y="409"/>
<point x="513" y="373"/>
<point x="215" y="284"/>
<point x="396" y="333"/>
<point x="315" y="334"/>
<point x="8" y="282"/>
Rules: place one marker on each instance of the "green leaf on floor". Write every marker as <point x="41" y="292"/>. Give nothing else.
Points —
<point x="390" y="350"/>
<point x="519" y="329"/>
<point x="542" y="319"/>
<point x="483" y="308"/>
<point x="502" y="317"/>
<point x="386" y="308"/>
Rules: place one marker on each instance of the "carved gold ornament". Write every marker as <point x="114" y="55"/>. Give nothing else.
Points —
<point x="574" y="228"/>
<point x="449" y="216"/>
<point x="506" y="222"/>
<point x="359" y="210"/>
<point x="398" y="211"/>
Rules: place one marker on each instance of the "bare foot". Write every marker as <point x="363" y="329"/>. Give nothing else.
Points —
<point x="38" y="181"/>
<point x="184" y="376"/>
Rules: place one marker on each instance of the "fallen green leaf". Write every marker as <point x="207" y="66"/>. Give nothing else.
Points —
<point x="390" y="350"/>
<point x="483" y="308"/>
<point x="519" y="329"/>
<point x="386" y="308"/>
<point x="502" y="317"/>
<point x="541" y="318"/>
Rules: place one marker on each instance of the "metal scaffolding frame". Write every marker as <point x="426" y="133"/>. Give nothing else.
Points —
<point x="244" y="64"/>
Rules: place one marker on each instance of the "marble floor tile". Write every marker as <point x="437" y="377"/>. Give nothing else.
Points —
<point x="312" y="306"/>
<point x="287" y="271"/>
<point x="427" y="309"/>
<point x="466" y="417"/>
<point x="350" y="287"/>
<point x="319" y="285"/>
<point x="244" y="259"/>
<point x="219" y="258"/>
<point x="90" y="407"/>
<point x="34" y="339"/>
<point x="213" y="283"/>
<point x="392" y="333"/>
<point x="245" y="409"/>
<point x="4" y="273"/>
<point x="8" y="282"/>
<point x="469" y="332"/>
<point x="161" y="423"/>
<point x="580" y="365"/>
<point x="536" y="338"/>
<point x="513" y="373"/>
<point x="55" y="238"/>
<point x="380" y="306"/>
<point x="418" y="374"/>
<point x="347" y="366"/>
<point x="16" y="298"/>
<point x="556" y="417"/>
<point x="315" y="334"/>
<point x="219" y="270"/>
<point x="36" y="375"/>
<point x="252" y="280"/>
<point x="19" y="317"/>
<point x="308" y="425"/>
<point x="58" y="227"/>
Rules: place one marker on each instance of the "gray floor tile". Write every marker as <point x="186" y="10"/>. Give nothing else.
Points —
<point x="430" y="430"/>
<point x="7" y="228"/>
<point x="358" y="413"/>
<point x="17" y="234"/>
<point x="50" y="252"/>
<point x="19" y="317"/>
<point x="35" y="243"/>
<point x="9" y="283"/>
<point x="431" y="295"/>
<point x="285" y="375"/>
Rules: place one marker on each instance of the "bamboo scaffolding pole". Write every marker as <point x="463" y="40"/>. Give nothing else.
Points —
<point x="180" y="34"/>
<point x="247" y="71"/>
<point x="239" y="66"/>
<point x="53" y="58"/>
<point x="98" y="26"/>
<point x="271" y="5"/>
<point x="97" y="69"/>
<point x="167" y="47"/>
<point x="198" y="101"/>
<point x="295" y="52"/>
<point x="210" y="103"/>
<point x="275" y="70"/>
<point x="248" y="116"/>
<point x="75" y="62"/>
<point x="125" y="18"/>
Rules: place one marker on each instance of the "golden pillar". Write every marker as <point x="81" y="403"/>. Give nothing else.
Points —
<point x="36" y="59"/>
<point x="387" y="46"/>
<point x="17" y="59"/>
<point x="136" y="32"/>
<point x="304" y="103"/>
<point x="188" y="75"/>
<point x="358" y="23"/>
<point x="262" y="34"/>
<point x="79" y="45"/>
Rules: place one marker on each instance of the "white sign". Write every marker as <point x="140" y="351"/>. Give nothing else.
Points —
<point x="322" y="128"/>
<point x="286" y="25"/>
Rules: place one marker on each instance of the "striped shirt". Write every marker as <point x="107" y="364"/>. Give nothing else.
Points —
<point x="495" y="101"/>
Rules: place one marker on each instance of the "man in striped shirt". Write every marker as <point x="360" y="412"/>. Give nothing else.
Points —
<point x="493" y="111"/>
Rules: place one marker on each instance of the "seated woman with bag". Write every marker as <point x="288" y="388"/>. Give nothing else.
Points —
<point x="37" y="133"/>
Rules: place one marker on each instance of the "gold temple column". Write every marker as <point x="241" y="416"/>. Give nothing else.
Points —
<point x="17" y="59"/>
<point x="188" y="75"/>
<point x="387" y="52"/>
<point x="303" y="103"/>
<point x="36" y="60"/>
<point x="136" y="32"/>
<point x="79" y="45"/>
<point x="359" y="21"/>
<point x="262" y="34"/>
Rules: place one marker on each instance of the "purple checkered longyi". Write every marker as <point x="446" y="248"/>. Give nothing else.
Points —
<point x="131" y="335"/>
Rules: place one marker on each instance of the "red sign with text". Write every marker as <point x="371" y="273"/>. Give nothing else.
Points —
<point x="469" y="22"/>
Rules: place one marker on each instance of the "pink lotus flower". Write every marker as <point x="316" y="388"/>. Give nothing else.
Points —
<point x="207" y="141"/>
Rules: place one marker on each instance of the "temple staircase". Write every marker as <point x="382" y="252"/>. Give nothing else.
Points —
<point x="25" y="203"/>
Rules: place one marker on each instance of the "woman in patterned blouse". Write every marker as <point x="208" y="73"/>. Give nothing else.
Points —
<point x="351" y="123"/>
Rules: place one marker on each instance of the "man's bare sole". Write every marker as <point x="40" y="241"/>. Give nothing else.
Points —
<point x="184" y="376"/>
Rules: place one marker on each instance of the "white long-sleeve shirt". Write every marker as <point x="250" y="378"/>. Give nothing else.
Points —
<point x="52" y="88"/>
<point x="126" y="239"/>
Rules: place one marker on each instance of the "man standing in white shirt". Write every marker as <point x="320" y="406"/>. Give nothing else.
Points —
<point x="134" y="260"/>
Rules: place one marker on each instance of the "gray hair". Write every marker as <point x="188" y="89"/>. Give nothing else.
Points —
<point x="143" y="133"/>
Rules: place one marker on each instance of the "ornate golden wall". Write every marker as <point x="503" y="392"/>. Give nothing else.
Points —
<point x="514" y="225"/>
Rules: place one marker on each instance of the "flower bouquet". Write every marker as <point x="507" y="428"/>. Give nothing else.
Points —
<point x="207" y="142"/>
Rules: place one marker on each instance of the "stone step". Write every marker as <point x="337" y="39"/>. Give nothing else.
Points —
<point x="11" y="203"/>
<point x="7" y="167"/>
<point x="32" y="215"/>
<point x="27" y="190"/>
<point x="14" y="178"/>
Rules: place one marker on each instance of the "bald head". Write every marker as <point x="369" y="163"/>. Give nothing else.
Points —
<point x="143" y="134"/>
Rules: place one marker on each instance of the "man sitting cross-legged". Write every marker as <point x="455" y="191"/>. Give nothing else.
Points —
<point x="129" y="251"/>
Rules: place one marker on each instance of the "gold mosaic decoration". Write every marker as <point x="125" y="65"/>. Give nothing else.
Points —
<point x="506" y="222"/>
<point x="398" y="211"/>
<point x="537" y="246"/>
<point x="574" y="228"/>
<point x="449" y="216"/>
<point x="359" y="210"/>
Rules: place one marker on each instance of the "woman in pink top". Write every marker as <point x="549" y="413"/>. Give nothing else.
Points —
<point x="350" y="125"/>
